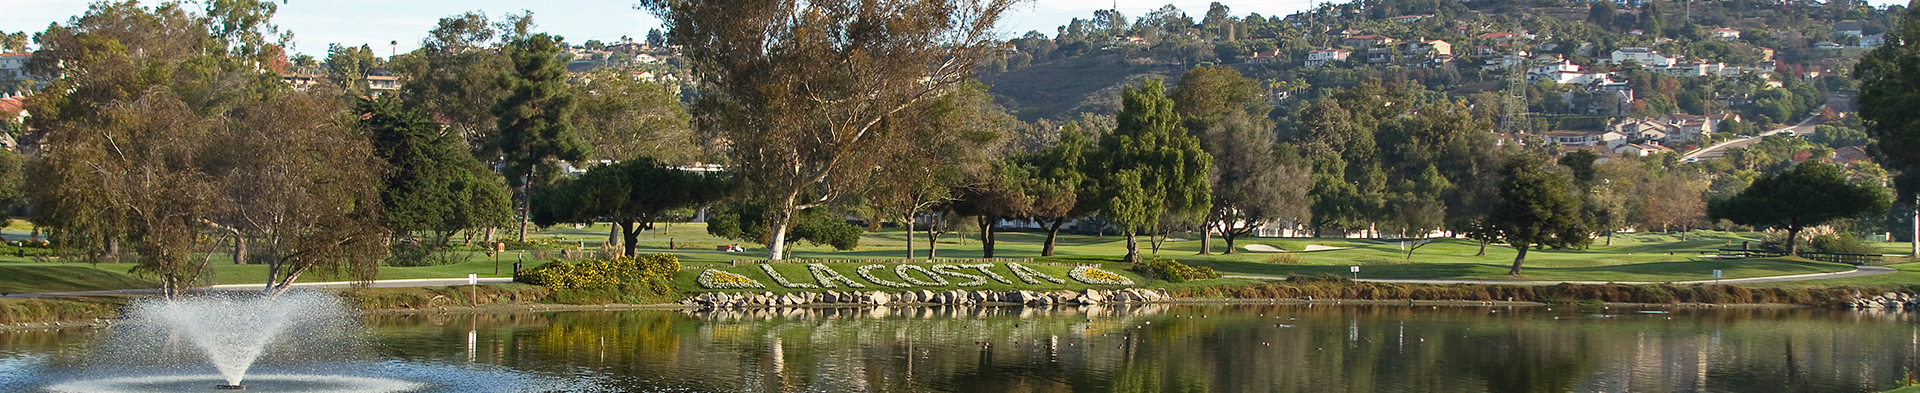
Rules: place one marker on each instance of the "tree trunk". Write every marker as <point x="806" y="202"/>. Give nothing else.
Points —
<point x="1206" y="238"/>
<point x="931" y="238"/>
<point x="1517" y="259"/>
<point x="613" y="234"/>
<point x="777" y="226"/>
<point x="1609" y="238"/>
<point x="908" y="222"/>
<point x="488" y="239"/>
<point x="986" y="236"/>
<point x="1133" y="248"/>
<point x="1229" y="237"/>
<point x="239" y="248"/>
<point x="1483" y="249"/>
<point x="632" y="233"/>
<point x="526" y="205"/>
<point x="1793" y="239"/>
<point x="1915" y="240"/>
<point x="1053" y="233"/>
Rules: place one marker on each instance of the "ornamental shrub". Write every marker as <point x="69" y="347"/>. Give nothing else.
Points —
<point x="1173" y="271"/>
<point x="654" y="271"/>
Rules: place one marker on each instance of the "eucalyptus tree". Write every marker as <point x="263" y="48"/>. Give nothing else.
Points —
<point x="162" y="125"/>
<point x="800" y="89"/>
<point x="454" y="76"/>
<point x="620" y="117"/>
<point x="294" y="174"/>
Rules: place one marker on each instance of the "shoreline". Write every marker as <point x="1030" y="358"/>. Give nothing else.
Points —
<point x="99" y="323"/>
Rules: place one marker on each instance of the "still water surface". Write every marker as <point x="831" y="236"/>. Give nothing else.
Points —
<point x="1155" y="348"/>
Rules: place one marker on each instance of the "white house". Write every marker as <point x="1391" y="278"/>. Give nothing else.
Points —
<point x="1645" y="56"/>
<point x="1726" y="33"/>
<point x="1323" y="56"/>
<point x="1640" y="149"/>
<point x="13" y="66"/>
<point x="1609" y="138"/>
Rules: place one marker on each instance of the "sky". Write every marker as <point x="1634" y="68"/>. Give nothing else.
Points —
<point x="316" y="23"/>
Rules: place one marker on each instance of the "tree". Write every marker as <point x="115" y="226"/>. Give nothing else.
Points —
<point x="634" y="194"/>
<point x="801" y="89"/>
<point x="455" y="76"/>
<point x="620" y="117"/>
<point x="348" y="67"/>
<point x="1252" y="186"/>
<point x="1062" y="189"/>
<point x="126" y="122"/>
<point x="1808" y="194"/>
<point x="304" y="184"/>
<point x="1151" y="172"/>
<point x="1668" y="201"/>
<point x="1889" y="86"/>
<point x="1536" y="208"/>
<point x="13" y="43"/>
<point x="746" y="220"/>
<point x="536" y="119"/>
<point x="432" y="181"/>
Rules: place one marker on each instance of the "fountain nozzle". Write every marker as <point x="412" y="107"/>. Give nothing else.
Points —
<point x="229" y="387"/>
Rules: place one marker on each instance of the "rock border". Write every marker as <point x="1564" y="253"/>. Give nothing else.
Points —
<point x="926" y="297"/>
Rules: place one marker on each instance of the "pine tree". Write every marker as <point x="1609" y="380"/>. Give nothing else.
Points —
<point x="535" y="121"/>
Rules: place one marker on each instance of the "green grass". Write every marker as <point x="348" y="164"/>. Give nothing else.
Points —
<point x="1909" y="274"/>
<point x="1909" y="389"/>
<point x="1652" y="257"/>
<point x="24" y="279"/>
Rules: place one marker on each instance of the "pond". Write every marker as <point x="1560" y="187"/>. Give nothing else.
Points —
<point x="1141" y="348"/>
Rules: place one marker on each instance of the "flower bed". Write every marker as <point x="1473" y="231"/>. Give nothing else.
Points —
<point x="1091" y="275"/>
<point x="934" y="280"/>
<point x="866" y="272"/>
<point x="826" y="276"/>
<point x="715" y="279"/>
<point x="777" y="278"/>
<point x="1032" y="276"/>
<point x="952" y="270"/>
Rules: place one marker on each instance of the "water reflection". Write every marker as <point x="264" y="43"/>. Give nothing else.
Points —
<point x="1134" y="348"/>
<point x="1156" y="348"/>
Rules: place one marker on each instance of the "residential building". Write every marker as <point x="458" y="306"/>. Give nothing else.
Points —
<point x="1510" y="59"/>
<point x="13" y="66"/>
<point x="1323" y="56"/>
<point x="1410" y="18"/>
<point x="1426" y="48"/>
<point x="1640" y="149"/>
<point x="1647" y="57"/>
<point x="1850" y="27"/>
<point x="1500" y="38"/>
<point x="1726" y="33"/>
<point x="1873" y="41"/>
<point x="1262" y="57"/>
<point x="1609" y="138"/>
<point x="301" y="81"/>
<point x="1366" y="41"/>
<point x="382" y="84"/>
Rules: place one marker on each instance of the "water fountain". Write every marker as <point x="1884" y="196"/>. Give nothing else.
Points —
<point x="232" y="332"/>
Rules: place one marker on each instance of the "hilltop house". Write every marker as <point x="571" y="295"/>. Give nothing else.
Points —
<point x="1645" y="56"/>
<point x="1323" y="56"/>
<point x="1366" y="41"/>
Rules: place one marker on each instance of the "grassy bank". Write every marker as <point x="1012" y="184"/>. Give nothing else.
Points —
<point x="44" y="311"/>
